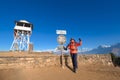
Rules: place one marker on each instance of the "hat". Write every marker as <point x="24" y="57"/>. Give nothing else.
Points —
<point x="72" y="39"/>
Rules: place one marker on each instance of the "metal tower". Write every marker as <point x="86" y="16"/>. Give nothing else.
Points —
<point x="22" y="32"/>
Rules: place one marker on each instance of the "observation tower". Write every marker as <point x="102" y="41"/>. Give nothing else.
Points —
<point x="22" y="32"/>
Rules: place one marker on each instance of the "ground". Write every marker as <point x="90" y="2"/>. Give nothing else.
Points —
<point x="85" y="72"/>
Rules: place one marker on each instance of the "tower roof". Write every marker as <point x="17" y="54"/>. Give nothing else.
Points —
<point x="24" y="21"/>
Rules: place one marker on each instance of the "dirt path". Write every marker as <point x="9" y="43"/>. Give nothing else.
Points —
<point x="85" y="72"/>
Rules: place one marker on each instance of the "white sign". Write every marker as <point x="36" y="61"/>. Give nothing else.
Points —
<point x="61" y="32"/>
<point x="60" y="47"/>
<point x="61" y="39"/>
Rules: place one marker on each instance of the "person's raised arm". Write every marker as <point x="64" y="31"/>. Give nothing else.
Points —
<point x="80" y="42"/>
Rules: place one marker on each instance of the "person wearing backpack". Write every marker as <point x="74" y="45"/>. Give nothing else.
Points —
<point x="73" y="47"/>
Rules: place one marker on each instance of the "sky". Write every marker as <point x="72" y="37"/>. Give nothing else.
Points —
<point x="96" y="22"/>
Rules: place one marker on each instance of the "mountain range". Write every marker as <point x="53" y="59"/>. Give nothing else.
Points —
<point x="103" y="49"/>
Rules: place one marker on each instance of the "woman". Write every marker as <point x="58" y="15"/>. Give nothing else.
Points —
<point x="73" y="47"/>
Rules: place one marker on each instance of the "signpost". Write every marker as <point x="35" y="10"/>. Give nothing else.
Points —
<point x="61" y="32"/>
<point x="61" y="40"/>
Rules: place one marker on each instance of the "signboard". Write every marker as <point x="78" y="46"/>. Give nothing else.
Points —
<point x="60" y="47"/>
<point x="61" y="39"/>
<point x="61" y="32"/>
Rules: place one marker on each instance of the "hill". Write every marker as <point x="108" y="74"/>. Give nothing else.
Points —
<point x="105" y="49"/>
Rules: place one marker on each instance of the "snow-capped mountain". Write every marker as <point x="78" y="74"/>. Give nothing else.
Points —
<point x="104" y="46"/>
<point x="102" y="49"/>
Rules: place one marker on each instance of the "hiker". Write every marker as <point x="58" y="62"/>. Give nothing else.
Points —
<point x="73" y="47"/>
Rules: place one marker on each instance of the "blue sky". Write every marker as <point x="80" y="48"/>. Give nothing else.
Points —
<point x="96" y="22"/>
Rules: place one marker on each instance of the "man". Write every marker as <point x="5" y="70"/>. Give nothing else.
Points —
<point x="73" y="47"/>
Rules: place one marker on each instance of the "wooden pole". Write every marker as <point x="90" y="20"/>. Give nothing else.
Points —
<point x="62" y="58"/>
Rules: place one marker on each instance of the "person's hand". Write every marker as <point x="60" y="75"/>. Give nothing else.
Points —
<point x="64" y="48"/>
<point x="80" y="39"/>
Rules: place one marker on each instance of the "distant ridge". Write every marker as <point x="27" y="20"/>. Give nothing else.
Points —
<point x="103" y="49"/>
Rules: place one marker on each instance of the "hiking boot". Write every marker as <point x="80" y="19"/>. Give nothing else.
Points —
<point x="75" y="71"/>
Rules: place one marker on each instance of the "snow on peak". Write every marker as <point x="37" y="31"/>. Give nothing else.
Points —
<point x="104" y="46"/>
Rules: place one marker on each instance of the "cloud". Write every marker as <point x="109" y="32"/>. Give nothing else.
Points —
<point x="84" y="49"/>
<point x="58" y="51"/>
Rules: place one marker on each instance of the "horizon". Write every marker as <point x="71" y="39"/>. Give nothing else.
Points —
<point x="95" y="22"/>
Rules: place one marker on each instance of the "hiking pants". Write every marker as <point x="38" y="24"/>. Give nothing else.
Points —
<point x="74" y="60"/>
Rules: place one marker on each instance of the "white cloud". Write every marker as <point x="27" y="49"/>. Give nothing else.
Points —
<point x="58" y="51"/>
<point x="84" y="49"/>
